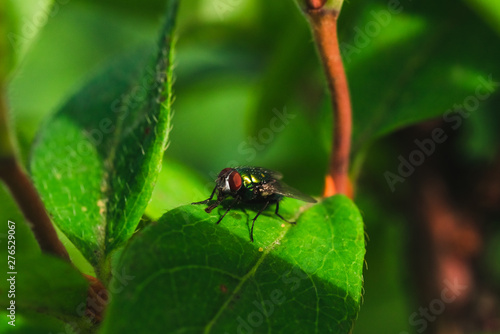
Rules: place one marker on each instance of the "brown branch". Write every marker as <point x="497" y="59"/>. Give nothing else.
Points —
<point x="97" y="301"/>
<point x="25" y="193"/>
<point x="324" y="26"/>
<point x="32" y="207"/>
<point x="447" y="239"/>
<point x="450" y="238"/>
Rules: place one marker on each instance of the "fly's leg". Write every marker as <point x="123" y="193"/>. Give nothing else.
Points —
<point x="277" y="214"/>
<point x="253" y="221"/>
<point x="208" y="199"/>
<point x="236" y="200"/>
<point x="216" y="204"/>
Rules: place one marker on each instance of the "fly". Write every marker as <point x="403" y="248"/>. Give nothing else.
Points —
<point x="252" y="185"/>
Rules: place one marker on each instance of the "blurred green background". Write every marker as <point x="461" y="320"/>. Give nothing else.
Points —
<point x="241" y="63"/>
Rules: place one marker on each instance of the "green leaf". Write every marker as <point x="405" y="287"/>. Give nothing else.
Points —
<point x="10" y="211"/>
<point x="278" y="83"/>
<point x="149" y="9"/>
<point x="488" y="10"/>
<point x="20" y="22"/>
<point x="93" y="36"/>
<point x="6" y="51"/>
<point x="193" y="276"/>
<point x="46" y="284"/>
<point x="46" y="287"/>
<point x="7" y="59"/>
<point x="34" y="323"/>
<point x="414" y="61"/>
<point x="96" y="161"/>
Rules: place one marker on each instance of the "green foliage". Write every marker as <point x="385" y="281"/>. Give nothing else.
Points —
<point x="43" y="283"/>
<point x="488" y="10"/>
<point x="104" y="150"/>
<point x="191" y="275"/>
<point x="52" y="286"/>
<point x="20" y="22"/>
<point x="35" y="323"/>
<point x="240" y="67"/>
<point x="427" y="57"/>
<point x="93" y="36"/>
<point x="9" y="211"/>
<point x="406" y="62"/>
<point x="177" y="185"/>
<point x="6" y="16"/>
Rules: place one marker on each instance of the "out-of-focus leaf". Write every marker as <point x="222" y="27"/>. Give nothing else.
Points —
<point x="488" y="10"/>
<point x="176" y="185"/>
<point x="6" y="51"/>
<point x="20" y="22"/>
<point x="36" y="323"/>
<point x="413" y="62"/>
<point x="289" y="73"/>
<point x="45" y="284"/>
<point x="146" y="8"/>
<point x="480" y="138"/>
<point x="10" y="211"/>
<point x="193" y="276"/>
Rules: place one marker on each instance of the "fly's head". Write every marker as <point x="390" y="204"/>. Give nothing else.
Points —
<point x="228" y="182"/>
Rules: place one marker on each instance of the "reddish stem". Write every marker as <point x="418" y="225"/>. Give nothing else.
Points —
<point x="25" y="193"/>
<point x="32" y="207"/>
<point x="315" y="4"/>
<point x="97" y="301"/>
<point x="324" y="25"/>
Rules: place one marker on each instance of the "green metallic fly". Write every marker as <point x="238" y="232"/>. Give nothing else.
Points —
<point x="252" y="185"/>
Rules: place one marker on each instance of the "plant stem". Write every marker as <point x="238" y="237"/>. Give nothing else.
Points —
<point x="324" y="25"/>
<point x="25" y="193"/>
<point x="97" y="300"/>
<point x="448" y="245"/>
<point x="32" y="207"/>
<point x="315" y="4"/>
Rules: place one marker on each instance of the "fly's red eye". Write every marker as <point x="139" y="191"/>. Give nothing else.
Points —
<point x="225" y="172"/>
<point x="234" y="181"/>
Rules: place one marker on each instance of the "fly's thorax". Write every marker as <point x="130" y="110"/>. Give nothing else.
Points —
<point x="250" y="179"/>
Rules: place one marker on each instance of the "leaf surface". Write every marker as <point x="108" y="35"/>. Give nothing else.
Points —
<point x="192" y="276"/>
<point x="46" y="284"/>
<point x="95" y="162"/>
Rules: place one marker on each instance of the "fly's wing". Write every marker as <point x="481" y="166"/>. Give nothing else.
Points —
<point x="287" y="191"/>
<point x="259" y="170"/>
